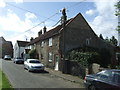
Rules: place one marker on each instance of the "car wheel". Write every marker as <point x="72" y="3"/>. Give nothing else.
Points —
<point x="92" y="87"/>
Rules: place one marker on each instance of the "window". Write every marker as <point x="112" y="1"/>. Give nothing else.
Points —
<point x="104" y="76"/>
<point x="42" y="43"/>
<point x="41" y="56"/>
<point x="50" y="57"/>
<point x="87" y="41"/>
<point x="116" y="78"/>
<point x="50" y="41"/>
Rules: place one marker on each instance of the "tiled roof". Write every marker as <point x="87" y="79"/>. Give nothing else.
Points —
<point x="51" y="32"/>
<point x="22" y="43"/>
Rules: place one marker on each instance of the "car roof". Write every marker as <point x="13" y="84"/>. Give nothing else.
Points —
<point x="32" y="59"/>
<point x="113" y="70"/>
<point x="7" y="56"/>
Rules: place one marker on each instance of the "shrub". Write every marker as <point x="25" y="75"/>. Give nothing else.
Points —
<point x="32" y="53"/>
<point x="84" y="58"/>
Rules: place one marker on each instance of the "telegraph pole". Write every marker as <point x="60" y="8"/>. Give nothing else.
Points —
<point x="63" y="22"/>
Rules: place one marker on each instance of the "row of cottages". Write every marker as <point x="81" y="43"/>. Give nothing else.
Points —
<point x="6" y="47"/>
<point x="77" y="33"/>
<point x="19" y="48"/>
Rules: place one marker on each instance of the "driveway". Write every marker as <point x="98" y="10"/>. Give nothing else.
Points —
<point x="21" y="78"/>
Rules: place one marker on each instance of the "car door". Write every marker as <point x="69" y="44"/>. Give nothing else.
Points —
<point x="26" y="64"/>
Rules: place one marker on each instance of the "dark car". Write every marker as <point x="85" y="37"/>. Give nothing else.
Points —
<point x="7" y="57"/>
<point x="18" y="60"/>
<point x="104" y="80"/>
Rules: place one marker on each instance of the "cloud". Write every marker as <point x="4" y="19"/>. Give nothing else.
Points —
<point x="18" y="1"/>
<point x="30" y="15"/>
<point x="12" y="26"/>
<point x="105" y="21"/>
<point x="2" y="3"/>
<point x="14" y="23"/>
<point x="90" y="12"/>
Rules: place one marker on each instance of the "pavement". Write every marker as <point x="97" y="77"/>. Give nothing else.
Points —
<point x="67" y="77"/>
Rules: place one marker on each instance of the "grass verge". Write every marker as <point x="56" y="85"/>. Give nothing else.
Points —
<point x="4" y="83"/>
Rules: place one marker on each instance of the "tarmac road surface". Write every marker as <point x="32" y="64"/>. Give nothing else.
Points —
<point x="21" y="78"/>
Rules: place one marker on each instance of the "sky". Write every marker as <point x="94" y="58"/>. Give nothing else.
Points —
<point x="19" y="19"/>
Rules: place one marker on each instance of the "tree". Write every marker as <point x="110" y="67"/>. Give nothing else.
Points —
<point x="117" y="8"/>
<point x="113" y="41"/>
<point x="107" y="40"/>
<point x="118" y="14"/>
<point x="100" y="36"/>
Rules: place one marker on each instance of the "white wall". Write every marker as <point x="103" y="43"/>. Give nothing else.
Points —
<point x="18" y="50"/>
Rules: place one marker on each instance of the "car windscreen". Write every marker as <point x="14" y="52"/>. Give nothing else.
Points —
<point x="19" y="58"/>
<point x="33" y="61"/>
<point x="7" y="56"/>
<point x="117" y="77"/>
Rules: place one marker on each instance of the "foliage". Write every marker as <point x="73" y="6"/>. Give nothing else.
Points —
<point x="117" y="8"/>
<point x="112" y="40"/>
<point x="84" y="58"/>
<point x="118" y="67"/>
<point x="100" y="36"/>
<point x="118" y="13"/>
<point x="32" y="53"/>
<point x="4" y="83"/>
<point x="107" y="40"/>
<point x="111" y="67"/>
<point x="118" y="28"/>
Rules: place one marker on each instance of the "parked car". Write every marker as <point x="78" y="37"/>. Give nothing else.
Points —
<point x="104" y="80"/>
<point x="33" y="65"/>
<point x="7" y="57"/>
<point x="18" y="60"/>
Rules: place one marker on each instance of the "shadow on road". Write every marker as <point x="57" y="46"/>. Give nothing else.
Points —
<point x="40" y="72"/>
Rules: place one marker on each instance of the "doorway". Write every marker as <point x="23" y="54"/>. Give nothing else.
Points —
<point x="56" y="62"/>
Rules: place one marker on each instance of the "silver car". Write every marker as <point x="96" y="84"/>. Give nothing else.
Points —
<point x="7" y="57"/>
<point x="18" y="60"/>
<point x="33" y="65"/>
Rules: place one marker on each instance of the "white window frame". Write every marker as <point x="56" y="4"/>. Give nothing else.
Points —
<point x="50" y="56"/>
<point x="42" y="43"/>
<point x="50" y="42"/>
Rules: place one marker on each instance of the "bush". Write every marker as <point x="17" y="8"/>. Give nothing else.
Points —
<point x="84" y="58"/>
<point x="118" y="67"/>
<point x="32" y="53"/>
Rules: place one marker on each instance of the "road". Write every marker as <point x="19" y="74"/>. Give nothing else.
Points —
<point x="21" y="78"/>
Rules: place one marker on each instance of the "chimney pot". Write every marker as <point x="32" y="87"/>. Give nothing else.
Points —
<point x="39" y="33"/>
<point x="44" y="29"/>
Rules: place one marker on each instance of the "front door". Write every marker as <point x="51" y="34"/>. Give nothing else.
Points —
<point x="56" y="62"/>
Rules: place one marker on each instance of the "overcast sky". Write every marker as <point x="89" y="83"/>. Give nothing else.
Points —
<point x="17" y="17"/>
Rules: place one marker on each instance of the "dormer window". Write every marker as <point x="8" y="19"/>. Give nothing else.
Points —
<point x="50" y="41"/>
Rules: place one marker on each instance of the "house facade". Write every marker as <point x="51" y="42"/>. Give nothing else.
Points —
<point x="77" y="33"/>
<point x="19" y="48"/>
<point x="6" y="48"/>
